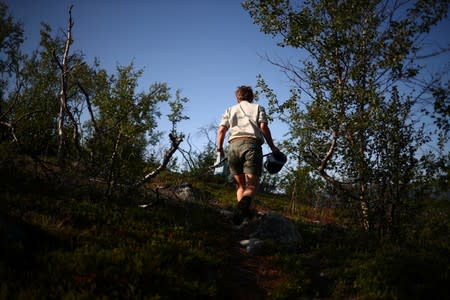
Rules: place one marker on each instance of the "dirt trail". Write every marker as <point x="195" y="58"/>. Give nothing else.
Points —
<point x="250" y="276"/>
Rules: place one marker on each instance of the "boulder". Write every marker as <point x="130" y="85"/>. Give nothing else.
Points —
<point x="271" y="228"/>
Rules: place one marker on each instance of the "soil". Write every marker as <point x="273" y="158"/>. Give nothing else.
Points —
<point x="250" y="276"/>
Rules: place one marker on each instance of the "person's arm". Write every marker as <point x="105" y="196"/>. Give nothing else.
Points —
<point x="221" y="132"/>
<point x="268" y="136"/>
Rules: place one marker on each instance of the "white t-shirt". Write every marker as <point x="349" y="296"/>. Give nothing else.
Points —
<point x="243" y="120"/>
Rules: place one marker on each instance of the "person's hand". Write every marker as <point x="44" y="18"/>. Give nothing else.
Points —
<point x="275" y="149"/>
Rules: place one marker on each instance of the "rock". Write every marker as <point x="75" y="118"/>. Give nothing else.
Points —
<point x="184" y="192"/>
<point x="275" y="228"/>
<point x="255" y="246"/>
<point x="188" y="193"/>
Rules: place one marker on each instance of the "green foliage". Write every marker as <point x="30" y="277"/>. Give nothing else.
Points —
<point x="347" y="118"/>
<point x="176" y="111"/>
<point x="304" y="187"/>
<point x="341" y="263"/>
<point x="221" y="189"/>
<point x="114" y="141"/>
<point x="198" y="162"/>
<point x="415" y="266"/>
<point x="11" y="37"/>
<point x="125" y="124"/>
<point x="441" y="113"/>
<point x="402" y="273"/>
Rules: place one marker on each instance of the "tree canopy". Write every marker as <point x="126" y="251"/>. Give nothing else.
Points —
<point x="349" y="114"/>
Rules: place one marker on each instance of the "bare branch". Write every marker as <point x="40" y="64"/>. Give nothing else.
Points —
<point x="187" y="155"/>
<point x="88" y="101"/>
<point x="293" y="73"/>
<point x="11" y="128"/>
<point x="342" y="186"/>
<point x="175" y="143"/>
<point x="112" y="163"/>
<point x="329" y="154"/>
<point x="433" y="54"/>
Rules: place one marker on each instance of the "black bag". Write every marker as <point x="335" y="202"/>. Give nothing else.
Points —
<point x="275" y="162"/>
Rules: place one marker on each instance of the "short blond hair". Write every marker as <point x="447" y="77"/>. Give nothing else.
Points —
<point x="244" y="93"/>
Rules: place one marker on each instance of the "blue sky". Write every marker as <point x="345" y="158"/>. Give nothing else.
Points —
<point x="205" y="48"/>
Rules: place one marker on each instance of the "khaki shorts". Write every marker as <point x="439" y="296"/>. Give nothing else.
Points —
<point x="245" y="157"/>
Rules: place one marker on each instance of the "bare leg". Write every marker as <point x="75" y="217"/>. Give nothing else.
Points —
<point x="251" y="185"/>
<point x="240" y="181"/>
<point x="247" y="185"/>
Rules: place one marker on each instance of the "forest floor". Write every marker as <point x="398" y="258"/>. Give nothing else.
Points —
<point x="67" y="242"/>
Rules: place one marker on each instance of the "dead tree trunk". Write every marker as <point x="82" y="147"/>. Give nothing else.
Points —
<point x="111" y="177"/>
<point x="63" y="98"/>
<point x="175" y="143"/>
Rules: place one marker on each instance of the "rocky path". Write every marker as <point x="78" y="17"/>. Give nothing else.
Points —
<point x="250" y="276"/>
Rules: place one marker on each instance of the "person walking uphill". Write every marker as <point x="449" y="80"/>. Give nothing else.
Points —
<point x="248" y="129"/>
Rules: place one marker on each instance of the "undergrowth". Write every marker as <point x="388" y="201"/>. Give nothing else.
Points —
<point x="82" y="249"/>
<point x="63" y="244"/>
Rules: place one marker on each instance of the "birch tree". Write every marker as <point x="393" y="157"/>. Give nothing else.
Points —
<point x="350" y="109"/>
